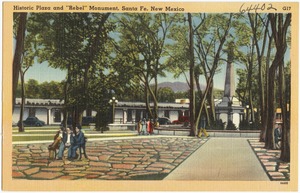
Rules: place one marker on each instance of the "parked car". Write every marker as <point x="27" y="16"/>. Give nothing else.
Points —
<point x="164" y="121"/>
<point x="33" y="121"/>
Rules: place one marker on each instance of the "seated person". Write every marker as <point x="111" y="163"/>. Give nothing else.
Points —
<point x="67" y="141"/>
<point x="79" y="141"/>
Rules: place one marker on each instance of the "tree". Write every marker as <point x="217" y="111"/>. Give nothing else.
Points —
<point x="74" y="42"/>
<point x="218" y="25"/>
<point x="51" y="90"/>
<point x="33" y="88"/>
<point x="27" y="45"/>
<point x="166" y="94"/>
<point x="260" y="23"/>
<point x="140" y="48"/>
<point x="210" y="34"/>
<point x="280" y="24"/>
<point x="19" y="24"/>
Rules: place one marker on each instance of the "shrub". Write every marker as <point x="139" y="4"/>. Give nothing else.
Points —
<point x="217" y="125"/>
<point x="231" y="126"/>
<point x="245" y="125"/>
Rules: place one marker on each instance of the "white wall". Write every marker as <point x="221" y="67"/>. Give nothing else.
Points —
<point x="236" y="119"/>
<point x="161" y="113"/>
<point x="173" y="115"/>
<point x="41" y="114"/>
<point x="118" y="115"/>
<point x="224" y="118"/>
<point x="16" y="114"/>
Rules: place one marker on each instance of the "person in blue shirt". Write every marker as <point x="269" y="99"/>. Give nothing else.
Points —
<point x="202" y="127"/>
<point x="277" y="136"/>
<point x="79" y="141"/>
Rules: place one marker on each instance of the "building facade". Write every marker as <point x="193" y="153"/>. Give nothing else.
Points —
<point x="51" y="111"/>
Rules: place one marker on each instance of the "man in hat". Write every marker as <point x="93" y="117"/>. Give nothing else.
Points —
<point x="277" y="135"/>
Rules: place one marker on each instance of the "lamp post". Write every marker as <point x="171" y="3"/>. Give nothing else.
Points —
<point x="113" y="102"/>
<point x="247" y="113"/>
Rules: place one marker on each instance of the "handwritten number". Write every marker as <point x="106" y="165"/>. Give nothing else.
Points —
<point x="271" y="7"/>
<point x="256" y="7"/>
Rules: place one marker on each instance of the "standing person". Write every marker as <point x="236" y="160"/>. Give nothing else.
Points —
<point x="139" y="126"/>
<point x="148" y="126"/>
<point x="151" y="127"/>
<point x="202" y="127"/>
<point x="79" y="141"/>
<point x="67" y="141"/>
<point x="277" y="135"/>
<point x="144" y="125"/>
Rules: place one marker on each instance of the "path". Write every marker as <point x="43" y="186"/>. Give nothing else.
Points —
<point x="221" y="159"/>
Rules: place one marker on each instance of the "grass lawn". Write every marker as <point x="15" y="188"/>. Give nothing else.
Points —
<point x="31" y="138"/>
<point x="42" y="135"/>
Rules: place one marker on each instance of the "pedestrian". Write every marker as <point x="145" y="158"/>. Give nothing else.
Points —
<point x="67" y="141"/>
<point x="139" y="126"/>
<point x="148" y="126"/>
<point x="151" y="127"/>
<point x="144" y="126"/>
<point x="277" y="135"/>
<point x="79" y="141"/>
<point x="202" y="127"/>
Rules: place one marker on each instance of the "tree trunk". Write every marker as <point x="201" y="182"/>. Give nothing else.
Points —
<point x="148" y="108"/>
<point x="211" y="102"/>
<point x="285" y="141"/>
<point x="192" y="80"/>
<point x="265" y="114"/>
<point x="279" y="29"/>
<point x="66" y="98"/>
<point x="269" y="140"/>
<point x="18" y="53"/>
<point x="22" y="106"/>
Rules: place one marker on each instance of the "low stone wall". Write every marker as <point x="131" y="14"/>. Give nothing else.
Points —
<point x="121" y="127"/>
<point x="169" y="130"/>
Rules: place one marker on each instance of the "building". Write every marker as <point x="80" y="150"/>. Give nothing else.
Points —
<point x="50" y="111"/>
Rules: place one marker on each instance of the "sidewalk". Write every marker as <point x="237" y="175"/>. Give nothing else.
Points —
<point x="221" y="159"/>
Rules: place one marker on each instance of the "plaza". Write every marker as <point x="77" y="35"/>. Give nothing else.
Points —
<point x="155" y="157"/>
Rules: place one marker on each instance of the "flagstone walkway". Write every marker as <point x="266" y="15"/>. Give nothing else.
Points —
<point x="118" y="159"/>
<point x="269" y="159"/>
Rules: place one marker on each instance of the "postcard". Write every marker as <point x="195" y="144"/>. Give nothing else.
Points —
<point x="150" y="96"/>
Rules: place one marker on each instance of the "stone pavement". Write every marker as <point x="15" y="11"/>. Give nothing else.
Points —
<point x="154" y="158"/>
<point x="144" y="158"/>
<point x="269" y="159"/>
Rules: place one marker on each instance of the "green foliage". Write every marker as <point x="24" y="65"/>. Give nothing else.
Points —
<point x="218" y="93"/>
<point x="217" y="125"/>
<point x="45" y="90"/>
<point x="230" y="126"/>
<point x="246" y="125"/>
<point x="103" y="119"/>
<point x="242" y="86"/>
<point x="166" y="95"/>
